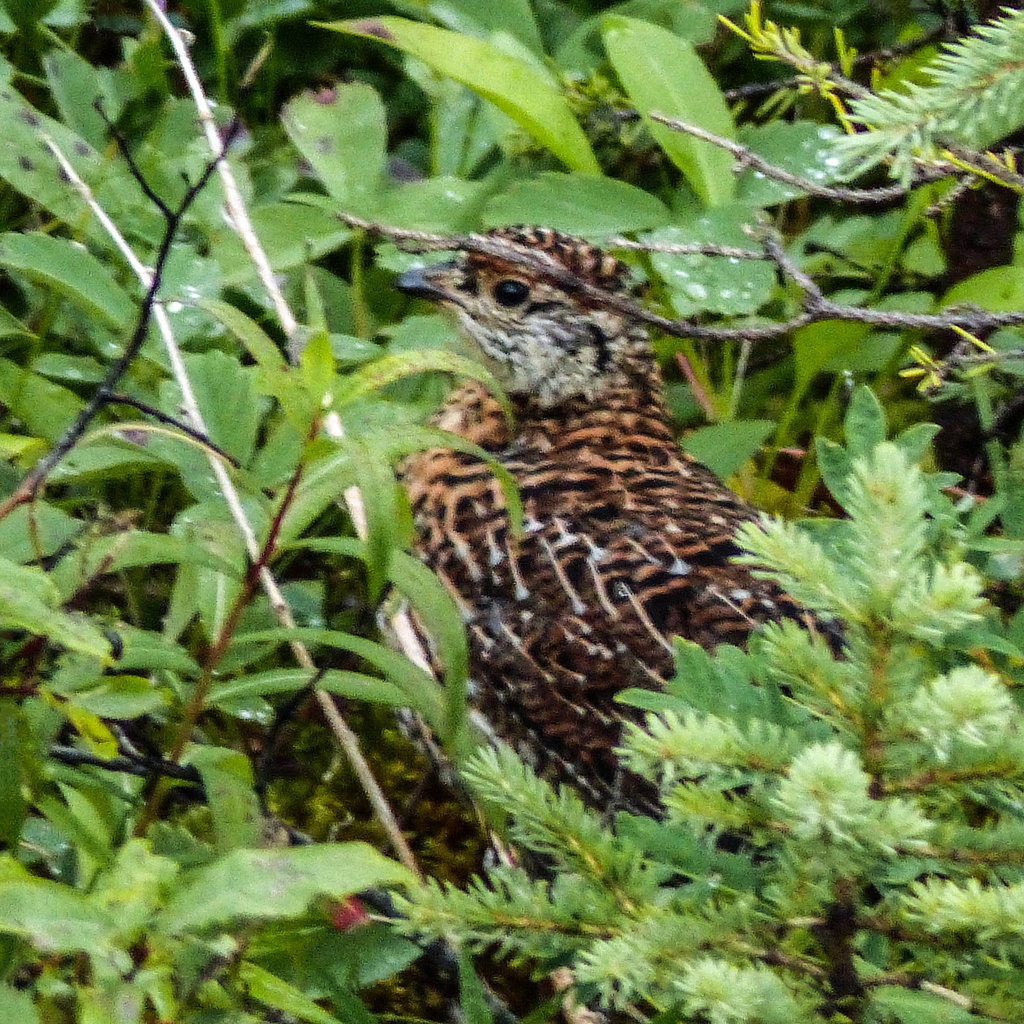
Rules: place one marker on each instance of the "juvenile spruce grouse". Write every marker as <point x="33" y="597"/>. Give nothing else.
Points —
<point x="627" y="540"/>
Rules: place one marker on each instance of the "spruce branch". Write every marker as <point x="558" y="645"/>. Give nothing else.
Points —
<point x="975" y="97"/>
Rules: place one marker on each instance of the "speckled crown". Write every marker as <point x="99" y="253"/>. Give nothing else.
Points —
<point x="590" y="264"/>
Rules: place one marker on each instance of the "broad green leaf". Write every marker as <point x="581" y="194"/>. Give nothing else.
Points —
<point x="273" y="991"/>
<point x="122" y="697"/>
<point x="274" y="376"/>
<point x="77" y="87"/>
<point x="835" y="464"/>
<point x="725" y="447"/>
<point x="472" y="998"/>
<point x="864" y="425"/>
<point x="256" y="341"/>
<point x="28" y="165"/>
<point x="485" y="18"/>
<point x="662" y="73"/>
<point x="379" y="488"/>
<point x="226" y="396"/>
<point x="910" y="1007"/>
<point x="340" y="682"/>
<point x="53" y="917"/>
<point x="71" y="270"/>
<point x="148" y="650"/>
<point x="998" y="289"/>
<point x="804" y="148"/>
<point x="342" y="133"/>
<point x="316" y="364"/>
<point x="27" y="533"/>
<point x="133" y="549"/>
<point x="228" y="784"/>
<point x="11" y="326"/>
<point x="327" y="474"/>
<point x="28" y="600"/>
<point x="254" y="885"/>
<point x="715" y="284"/>
<point x="580" y="204"/>
<point x="44" y="408"/>
<point x="817" y="346"/>
<point x="292" y="233"/>
<point x="513" y="86"/>
<point x="442" y="203"/>
<point x="133" y="886"/>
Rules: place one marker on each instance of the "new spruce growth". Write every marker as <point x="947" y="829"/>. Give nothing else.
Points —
<point x="842" y="835"/>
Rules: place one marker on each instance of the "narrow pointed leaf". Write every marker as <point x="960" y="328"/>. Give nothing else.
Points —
<point x="514" y="87"/>
<point x="663" y="73"/>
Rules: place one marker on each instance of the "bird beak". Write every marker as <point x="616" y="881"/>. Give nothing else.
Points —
<point x="422" y="282"/>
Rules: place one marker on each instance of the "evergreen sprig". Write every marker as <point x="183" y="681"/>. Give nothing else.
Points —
<point x="975" y="97"/>
<point x="871" y="796"/>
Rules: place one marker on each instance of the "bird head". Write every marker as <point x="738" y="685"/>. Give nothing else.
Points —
<point x="529" y="319"/>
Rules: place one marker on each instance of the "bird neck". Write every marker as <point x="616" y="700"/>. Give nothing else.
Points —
<point x="635" y="405"/>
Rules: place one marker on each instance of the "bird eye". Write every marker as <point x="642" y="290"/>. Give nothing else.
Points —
<point x="510" y="292"/>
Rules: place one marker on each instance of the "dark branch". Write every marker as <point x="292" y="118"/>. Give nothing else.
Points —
<point x="30" y="485"/>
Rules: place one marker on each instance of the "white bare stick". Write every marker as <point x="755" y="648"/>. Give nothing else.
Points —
<point x="346" y="738"/>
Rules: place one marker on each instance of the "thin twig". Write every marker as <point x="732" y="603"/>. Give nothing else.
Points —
<point x="746" y="157"/>
<point x="816" y="306"/>
<point x="172" y="421"/>
<point x="29" y="487"/>
<point x="136" y="764"/>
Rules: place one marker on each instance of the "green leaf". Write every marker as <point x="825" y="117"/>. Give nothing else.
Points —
<point x="27" y="533"/>
<point x="714" y="284"/>
<point x="912" y="1007"/>
<point x="341" y="132"/>
<point x="340" y="682"/>
<point x="725" y="447"/>
<point x="580" y="204"/>
<point x="70" y="270"/>
<point x="77" y="87"/>
<point x="864" y="424"/>
<point x="274" y="376"/>
<point x="224" y="392"/>
<point x="292" y="233"/>
<point x="379" y="488"/>
<point x="835" y="464"/>
<point x="122" y="697"/>
<point x="485" y="18"/>
<point x="804" y="148"/>
<point x="28" y="600"/>
<point x="816" y="346"/>
<point x="389" y="368"/>
<point x="998" y="289"/>
<point x="511" y="85"/>
<point x="45" y="409"/>
<point x="472" y="999"/>
<point x="661" y="72"/>
<point x="29" y="166"/>
<point x="16" y="1005"/>
<point x="273" y="991"/>
<point x="419" y="689"/>
<point x="435" y="609"/>
<point x="228" y="784"/>
<point x="53" y="917"/>
<point x="271" y="884"/>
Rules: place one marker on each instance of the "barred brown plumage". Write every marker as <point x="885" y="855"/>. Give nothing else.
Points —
<point x="627" y="540"/>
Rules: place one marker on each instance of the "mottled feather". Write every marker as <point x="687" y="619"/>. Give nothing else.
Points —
<point x="627" y="540"/>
